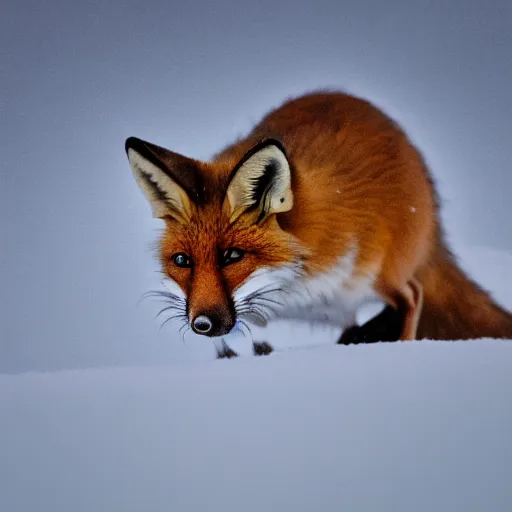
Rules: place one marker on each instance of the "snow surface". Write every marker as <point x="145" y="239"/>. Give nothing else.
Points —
<point x="412" y="426"/>
<point x="418" y="426"/>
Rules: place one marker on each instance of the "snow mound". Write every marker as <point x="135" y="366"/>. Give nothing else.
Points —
<point x="417" y="426"/>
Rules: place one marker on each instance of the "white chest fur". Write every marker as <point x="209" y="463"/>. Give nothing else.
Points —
<point x="332" y="297"/>
<point x="327" y="299"/>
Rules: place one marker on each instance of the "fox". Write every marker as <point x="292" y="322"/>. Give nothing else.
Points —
<point x="324" y="205"/>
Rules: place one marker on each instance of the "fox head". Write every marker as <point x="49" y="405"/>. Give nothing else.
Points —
<point x="222" y="244"/>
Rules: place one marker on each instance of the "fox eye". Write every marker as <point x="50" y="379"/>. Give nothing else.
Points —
<point x="231" y="255"/>
<point x="180" y="259"/>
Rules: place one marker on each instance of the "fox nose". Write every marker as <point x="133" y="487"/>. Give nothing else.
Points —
<point x="202" y="325"/>
<point x="212" y="324"/>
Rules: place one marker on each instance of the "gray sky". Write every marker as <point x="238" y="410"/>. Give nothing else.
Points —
<point x="76" y="80"/>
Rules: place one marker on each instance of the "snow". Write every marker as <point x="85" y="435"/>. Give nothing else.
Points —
<point x="417" y="426"/>
<point x="411" y="426"/>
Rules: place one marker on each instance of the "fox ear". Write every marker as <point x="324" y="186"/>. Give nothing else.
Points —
<point x="260" y="183"/>
<point x="169" y="181"/>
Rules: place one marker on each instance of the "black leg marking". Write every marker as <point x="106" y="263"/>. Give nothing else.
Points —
<point x="386" y="326"/>
<point x="225" y="352"/>
<point x="262" y="348"/>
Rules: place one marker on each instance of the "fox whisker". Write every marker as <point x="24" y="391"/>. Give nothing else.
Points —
<point x="169" y="296"/>
<point x="183" y="331"/>
<point x="255" y="311"/>
<point x="274" y="310"/>
<point x="172" y="308"/>
<point x="247" y="328"/>
<point x="172" y="317"/>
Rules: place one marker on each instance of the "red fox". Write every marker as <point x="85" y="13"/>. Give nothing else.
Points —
<point x="324" y="205"/>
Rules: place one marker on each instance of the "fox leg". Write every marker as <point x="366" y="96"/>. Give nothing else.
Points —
<point x="412" y="306"/>
<point x="397" y="321"/>
<point x="262" y="348"/>
<point x="386" y="326"/>
<point x="223" y="349"/>
<point x="407" y="301"/>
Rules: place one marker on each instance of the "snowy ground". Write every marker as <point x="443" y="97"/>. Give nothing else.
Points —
<point x="417" y="427"/>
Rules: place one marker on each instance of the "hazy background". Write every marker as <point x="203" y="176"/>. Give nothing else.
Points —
<point x="76" y="80"/>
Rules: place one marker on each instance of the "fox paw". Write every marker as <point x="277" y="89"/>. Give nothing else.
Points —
<point x="353" y="335"/>
<point x="262" y="348"/>
<point x="386" y="326"/>
<point x="226" y="353"/>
